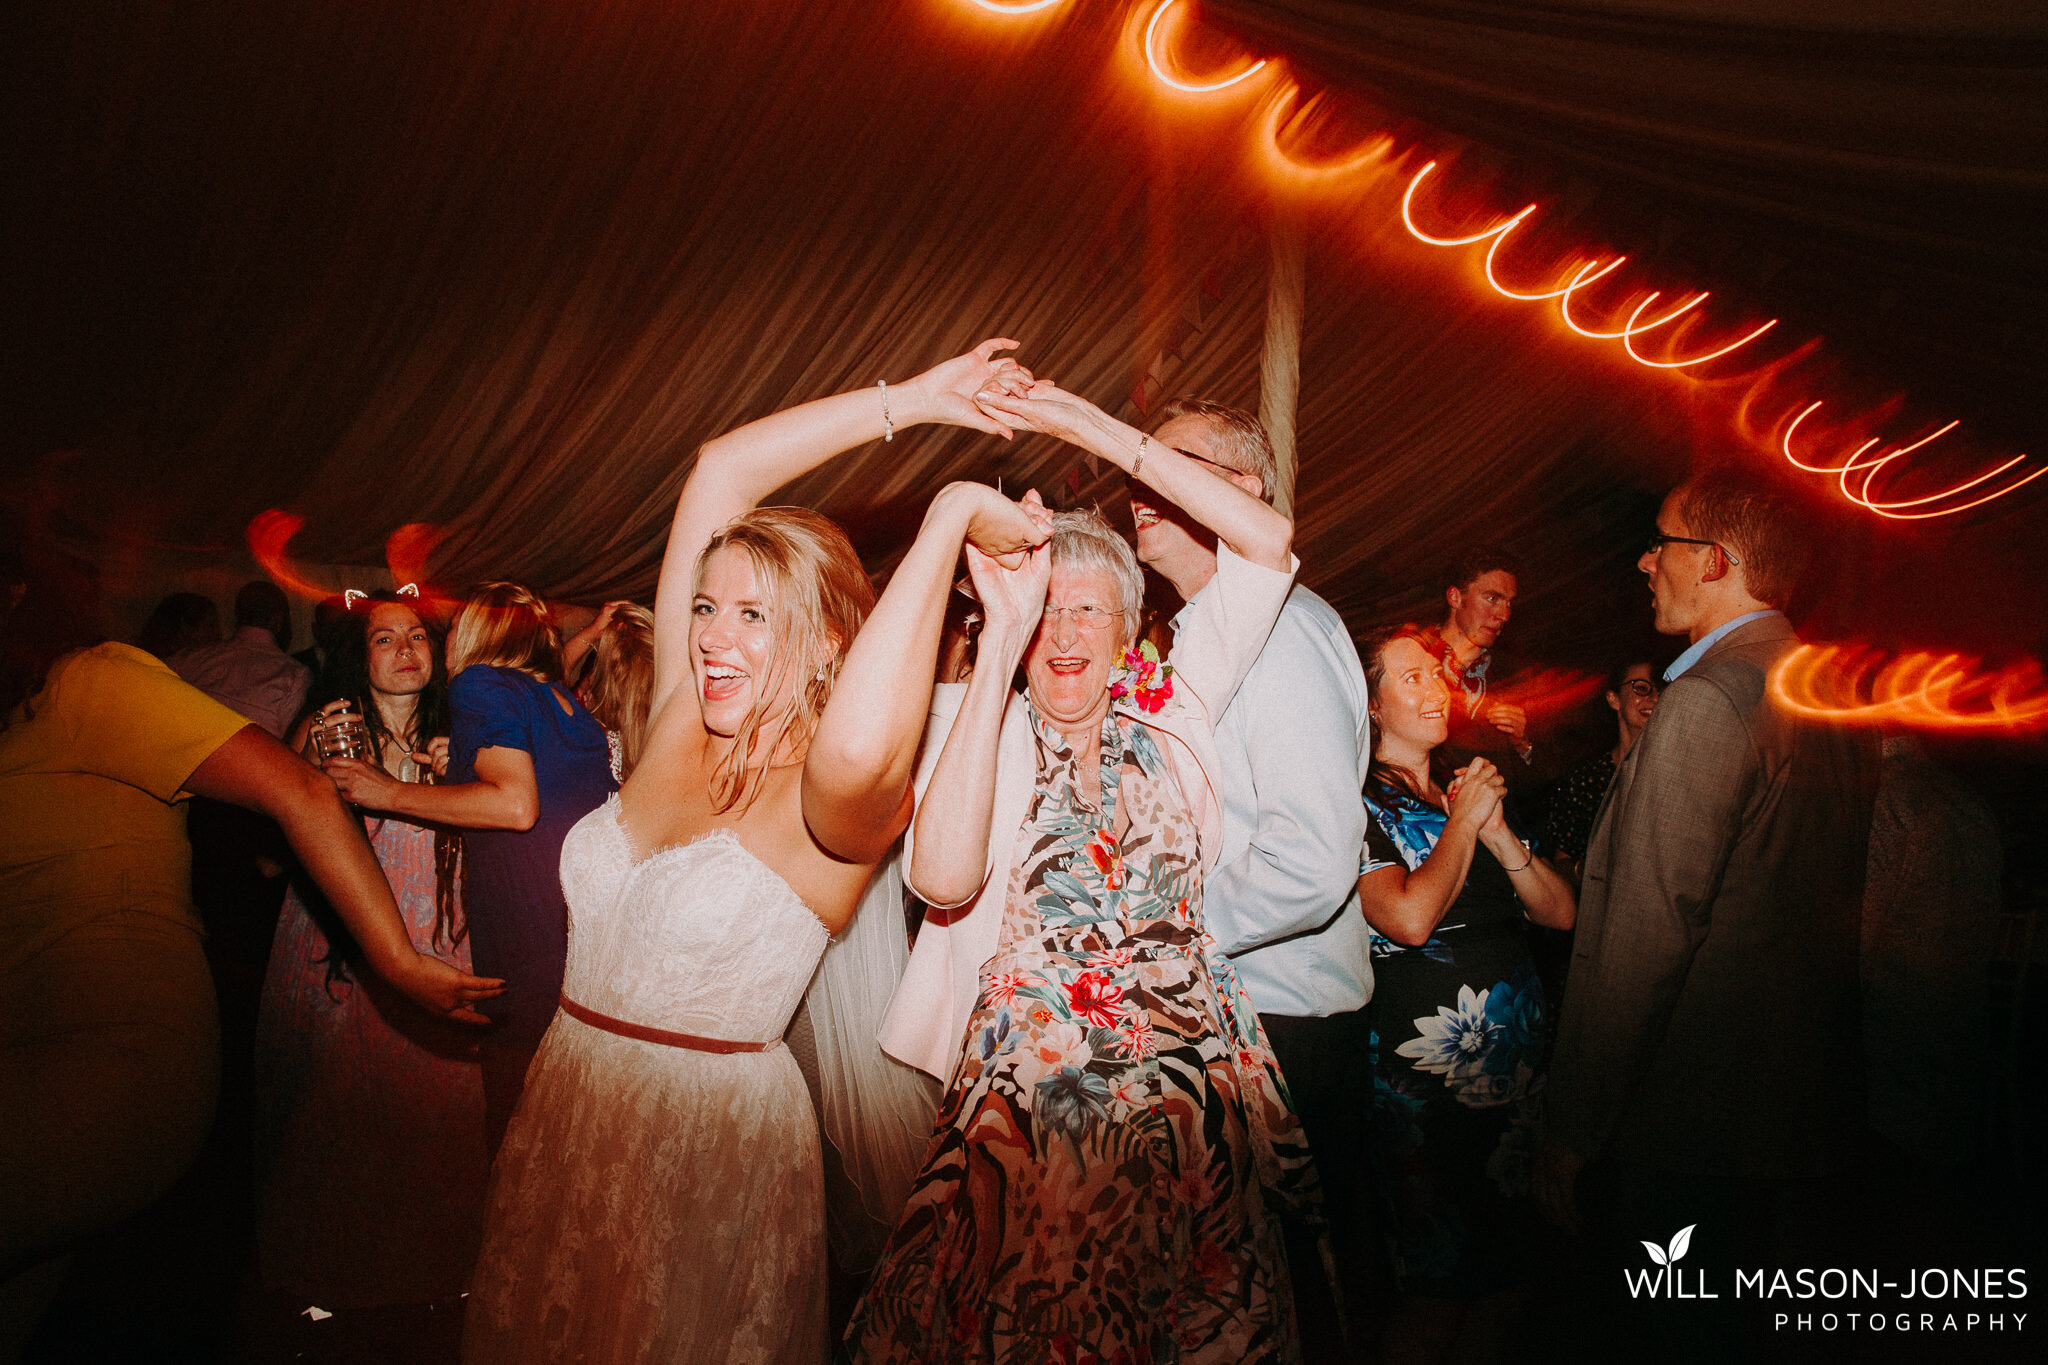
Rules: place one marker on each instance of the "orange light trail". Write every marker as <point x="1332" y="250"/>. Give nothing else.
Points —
<point x="1023" y="7"/>
<point x="1889" y="509"/>
<point x="1272" y="116"/>
<point x="1628" y="344"/>
<point x="1631" y="326"/>
<point x="1506" y="292"/>
<point x="1564" y="306"/>
<point x="1549" y="693"/>
<point x="1871" y="467"/>
<point x="1152" y="60"/>
<point x="406" y="550"/>
<point x="269" y="533"/>
<point x="1408" y="217"/>
<point x="1856" y="685"/>
<point x="1635" y="329"/>
<point x="1744" y="416"/>
<point x="1267" y="132"/>
<point x="1585" y="275"/>
<point x="1798" y="463"/>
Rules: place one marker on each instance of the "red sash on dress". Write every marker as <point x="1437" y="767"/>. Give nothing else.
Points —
<point x="656" y="1035"/>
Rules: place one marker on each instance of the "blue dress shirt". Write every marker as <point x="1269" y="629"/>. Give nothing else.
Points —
<point x="1710" y="639"/>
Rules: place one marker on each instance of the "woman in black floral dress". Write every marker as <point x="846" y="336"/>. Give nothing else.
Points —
<point x="1458" y="1017"/>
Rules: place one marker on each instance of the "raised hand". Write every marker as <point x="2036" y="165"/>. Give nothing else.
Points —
<point x="1012" y="599"/>
<point x="952" y="392"/>
<point x="1043" y="407"/>
<point x="995" y="525"/>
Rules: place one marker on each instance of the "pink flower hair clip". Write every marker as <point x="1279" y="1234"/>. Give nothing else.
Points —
<point x="1143" y="677"/>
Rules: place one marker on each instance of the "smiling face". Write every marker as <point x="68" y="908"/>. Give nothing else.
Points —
<point x="1635" y="701"/>
<point x="1410" y="703"/>
<point x="1164" y="532"/>
<point x="1481" y="609"/>
<point x="401" y="651"/>
<point x="1069" y="663"/>
<point x="733" y="644"/>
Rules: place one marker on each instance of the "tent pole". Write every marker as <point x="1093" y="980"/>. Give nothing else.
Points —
<point x="1280" y="360"/>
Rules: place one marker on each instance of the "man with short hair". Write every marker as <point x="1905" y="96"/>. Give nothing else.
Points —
<point x="1480" y="588"/>
<point x="1707" y="1065"/>
<point x="1283" y="903"/>
<point x="250" y="672"/>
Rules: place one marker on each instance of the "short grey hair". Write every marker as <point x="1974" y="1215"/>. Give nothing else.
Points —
<point x="1236" y="436"/>
<point x="1084" y="540"/>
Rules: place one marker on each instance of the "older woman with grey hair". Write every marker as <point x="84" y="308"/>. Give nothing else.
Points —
<point x="1114" y="1118"/>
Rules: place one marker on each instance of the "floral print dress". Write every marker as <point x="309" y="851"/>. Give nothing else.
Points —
<point x="1459" y="1040"/>
<point x="1096" y="1188"/>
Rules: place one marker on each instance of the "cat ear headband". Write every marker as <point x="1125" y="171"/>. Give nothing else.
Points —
<point x="351" y="596"/>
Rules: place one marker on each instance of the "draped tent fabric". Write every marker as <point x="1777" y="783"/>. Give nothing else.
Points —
<point x="500" y="267"/>
<point x="1876" y="169"/>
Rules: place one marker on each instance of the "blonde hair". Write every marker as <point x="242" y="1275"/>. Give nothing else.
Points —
<point x="505" y="625"/>
<point x="816" y="595"/>
<point x="620" y="686"/>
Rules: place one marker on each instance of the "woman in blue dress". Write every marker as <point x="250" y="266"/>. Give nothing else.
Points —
<point x="1458" y="1027"/>
<point x="525" y="762"/>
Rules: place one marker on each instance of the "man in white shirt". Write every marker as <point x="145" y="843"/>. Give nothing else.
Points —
<point x="250" y="672"/>
<point x="1282" y="902"/>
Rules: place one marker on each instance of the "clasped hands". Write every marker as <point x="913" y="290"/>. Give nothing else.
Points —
<point x="1475" y="794"/>
<point x="997" y="394"/>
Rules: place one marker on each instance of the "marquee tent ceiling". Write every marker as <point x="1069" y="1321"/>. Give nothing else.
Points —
<point x="500" y="266"/>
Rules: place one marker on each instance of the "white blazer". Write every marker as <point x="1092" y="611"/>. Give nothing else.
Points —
<point x="926" y="1026"/>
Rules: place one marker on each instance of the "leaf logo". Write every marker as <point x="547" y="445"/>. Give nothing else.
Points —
<point x="1676" y="1252"/>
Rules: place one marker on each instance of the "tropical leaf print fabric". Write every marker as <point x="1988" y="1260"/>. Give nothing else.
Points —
<point x="1459" y="1041"/>
<point x="1097" y="1186"/>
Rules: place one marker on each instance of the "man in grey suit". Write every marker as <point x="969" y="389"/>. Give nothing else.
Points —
<point x="1707" y="1070"/>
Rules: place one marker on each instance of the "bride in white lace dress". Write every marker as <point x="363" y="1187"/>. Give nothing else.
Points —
<point x="659" y="1196"/>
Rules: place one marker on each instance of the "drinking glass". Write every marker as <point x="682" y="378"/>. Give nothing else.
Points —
<point x="342" y="735"/>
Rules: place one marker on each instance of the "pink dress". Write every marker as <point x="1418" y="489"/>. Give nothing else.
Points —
<point x="370" y="1162"/>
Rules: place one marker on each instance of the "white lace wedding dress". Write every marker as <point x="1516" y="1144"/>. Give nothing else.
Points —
<point x="654" y="1202"/>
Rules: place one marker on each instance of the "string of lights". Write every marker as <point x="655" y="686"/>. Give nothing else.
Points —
<point x="1168" y="21"/>
<point x="1853" y="684"/>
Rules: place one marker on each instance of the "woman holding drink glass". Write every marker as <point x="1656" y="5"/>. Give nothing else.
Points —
<point x="525" y="763"/>
<point x="369" y="1131"/>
